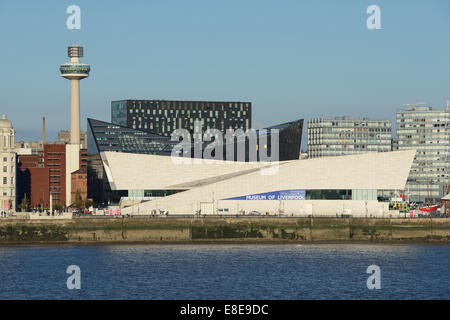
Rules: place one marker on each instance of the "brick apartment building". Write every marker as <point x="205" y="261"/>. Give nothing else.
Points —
<point x="39" y="193"/>
<point x="55" y="160"/>
<point x="44" y="174"/>
<point x="79" y="183"/>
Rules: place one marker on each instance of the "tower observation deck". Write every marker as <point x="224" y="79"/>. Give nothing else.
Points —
<point x="74" y="71"/>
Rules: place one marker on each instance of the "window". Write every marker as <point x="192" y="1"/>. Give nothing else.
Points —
<point x="5" y="159"/>
<point x="4" y="180"/>
<point x="12" y="180"/>
<point x="5" y="169"/>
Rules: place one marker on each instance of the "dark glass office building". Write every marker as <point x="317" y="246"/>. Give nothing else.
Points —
<point x="104" y="136"/>
<point x="164" y="116"/>
<point x="289" y="142"/>
<point x="289" y="138"/>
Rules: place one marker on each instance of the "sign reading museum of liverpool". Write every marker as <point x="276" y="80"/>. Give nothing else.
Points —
<point x="275" y="195"/>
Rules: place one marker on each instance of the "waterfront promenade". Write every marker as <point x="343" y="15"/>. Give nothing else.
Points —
<point x="86" y="230"/>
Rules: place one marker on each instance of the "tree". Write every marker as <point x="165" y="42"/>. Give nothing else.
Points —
<point x="78" y="200"/>
<point x="58" y="207"/>
<point x="24" y="204"/>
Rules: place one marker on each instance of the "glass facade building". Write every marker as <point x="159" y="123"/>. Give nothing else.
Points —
<point x="104" y="136"/>
<point x="348" y="135"/>
<point x="164" y="116"/>
<point x="427" y="131"/>
<point x="289" y="141"/>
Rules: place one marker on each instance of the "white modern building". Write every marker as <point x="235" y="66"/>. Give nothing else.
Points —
<point x="325" y="186"/>
<point x="347" y="135"/>
<point x="8" y="160"/>
<point x="428" y="131"/>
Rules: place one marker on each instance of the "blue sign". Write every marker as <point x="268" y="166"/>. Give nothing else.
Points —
<point x="274" y="195"/>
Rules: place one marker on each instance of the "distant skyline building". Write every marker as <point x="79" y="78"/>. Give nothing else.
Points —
<point x="28" y="148"/>
<point x="8" y="158"/>
<point x="64" y="137"/>
<point x="427" y="131"/>
<point x="340" y="136"/>
<point x="164" y="116"/>
<point x="31" y="147"/>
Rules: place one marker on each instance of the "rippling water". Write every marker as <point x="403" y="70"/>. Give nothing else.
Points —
<point x="332" y="271"/>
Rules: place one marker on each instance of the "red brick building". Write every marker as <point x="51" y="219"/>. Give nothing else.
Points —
<point x="39" y="191"/>
<point x="26" y="164"/>
<point x="45" y="173"/>
<point x="29" y="161"/>
<point x="54" y="159"/>
<point x="79" y="183"/>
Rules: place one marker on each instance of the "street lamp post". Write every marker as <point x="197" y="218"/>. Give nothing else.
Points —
<point x="42" y="203"/>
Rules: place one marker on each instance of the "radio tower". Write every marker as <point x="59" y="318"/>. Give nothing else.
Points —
<point x="74" y="71"/>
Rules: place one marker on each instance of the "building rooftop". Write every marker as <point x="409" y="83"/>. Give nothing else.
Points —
<point x="5" y="123"/>
<point x="165" y="100"/>
<point x="349" y="118"/>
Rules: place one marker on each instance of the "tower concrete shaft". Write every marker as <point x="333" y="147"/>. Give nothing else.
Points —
<point x="74" y="111"/>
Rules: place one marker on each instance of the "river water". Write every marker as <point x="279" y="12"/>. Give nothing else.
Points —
<point x="310" y="271"/>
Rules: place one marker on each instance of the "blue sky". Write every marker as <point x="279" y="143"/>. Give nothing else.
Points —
<point x="292" y="59"/>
